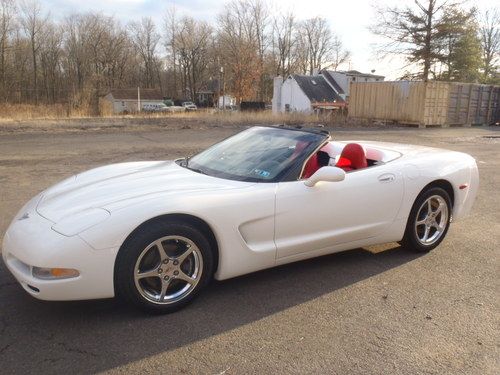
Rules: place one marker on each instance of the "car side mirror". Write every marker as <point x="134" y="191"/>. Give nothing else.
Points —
<point x="330" y="174"/>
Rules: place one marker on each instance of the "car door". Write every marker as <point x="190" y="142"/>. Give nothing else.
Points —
<point x="331" y="213"/>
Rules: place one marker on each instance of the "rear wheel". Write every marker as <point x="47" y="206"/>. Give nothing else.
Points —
<point x="429" y="220"/>
<point x="163" y="266"/>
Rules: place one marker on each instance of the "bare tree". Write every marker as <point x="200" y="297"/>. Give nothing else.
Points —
<point x="7" y="9"/>
<point x="33" y="22"/>
<point x="490" y="40"/>
<point x="192" y="44"/>
<point x="50" y="58"/>
<point x="171" y="27"/>
<point x="319" y="42"/>
<point x="283" y="43"/>
<point x="145" y="39"/>
<point x="339" y="55"/>
<point x="238" y="48"/>
<point x="260" y="20"/>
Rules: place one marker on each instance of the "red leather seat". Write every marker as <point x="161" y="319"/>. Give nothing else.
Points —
<point x="352" y="157"/>
<point x="311" y="166"/>
<point x="314" y="163"/>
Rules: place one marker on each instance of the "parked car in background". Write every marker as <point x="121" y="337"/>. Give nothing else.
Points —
<point x="155" y="107"/>
<point x="189" y="106"/>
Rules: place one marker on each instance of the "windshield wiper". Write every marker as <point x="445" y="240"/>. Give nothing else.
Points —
<point x="197" y="170"/>
<point x="185" y="164"/>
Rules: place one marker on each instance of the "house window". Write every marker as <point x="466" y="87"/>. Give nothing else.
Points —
<point x="353" y="78"/>
<point x="123" y="104"/>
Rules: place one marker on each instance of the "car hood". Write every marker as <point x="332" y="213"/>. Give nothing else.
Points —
<point x="111" y="185"/>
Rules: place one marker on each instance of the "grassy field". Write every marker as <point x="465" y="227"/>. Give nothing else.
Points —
<point x="15" y="118"/>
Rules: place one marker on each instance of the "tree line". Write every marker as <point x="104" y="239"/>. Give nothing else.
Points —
<point x="82" y="56"/>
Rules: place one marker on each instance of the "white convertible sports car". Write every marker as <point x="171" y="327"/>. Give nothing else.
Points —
<point x="156" y="232"/>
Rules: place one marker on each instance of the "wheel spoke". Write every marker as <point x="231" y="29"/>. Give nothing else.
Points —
<point x="440" y="208"/>
<point x="164" y="286"/>
<point x="150" y="273"/>
<point x="161" y="250"/>
<point x="426" y="234"/>
<point x="421" y="222"/>
<point x="184" y="277"/>
<point x="429" y="207"/>
<point x="181" y="258"/>
<point x="438" y="227"/>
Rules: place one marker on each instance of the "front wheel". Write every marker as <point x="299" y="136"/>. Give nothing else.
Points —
<point x="163" y="266"/>
<point x="429" y="220"/>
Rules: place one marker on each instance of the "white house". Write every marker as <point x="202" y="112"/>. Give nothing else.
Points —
<point x="126" y="100"/>
<point x="301" y="93"/>
<point x="326" y="89"/>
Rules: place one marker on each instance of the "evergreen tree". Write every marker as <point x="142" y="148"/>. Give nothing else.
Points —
<point x="460" y="46"/>
<point x="431" y="34"/>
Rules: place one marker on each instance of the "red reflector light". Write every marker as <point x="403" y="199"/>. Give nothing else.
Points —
<point x="462" y="187"/>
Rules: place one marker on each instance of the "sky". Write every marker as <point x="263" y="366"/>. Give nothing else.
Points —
<point x="350" y="19"/>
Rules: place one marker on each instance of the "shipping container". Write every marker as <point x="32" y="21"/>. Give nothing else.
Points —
<point x="425" y="104"/>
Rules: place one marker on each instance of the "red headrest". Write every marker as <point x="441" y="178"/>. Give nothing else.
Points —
<point x="352" y="157"/>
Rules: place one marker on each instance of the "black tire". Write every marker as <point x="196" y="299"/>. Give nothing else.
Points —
<point x="411" y="238"/>
<point x="134" y="247"/>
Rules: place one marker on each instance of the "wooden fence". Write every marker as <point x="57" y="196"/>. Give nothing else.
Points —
<point x="425" y="104"/>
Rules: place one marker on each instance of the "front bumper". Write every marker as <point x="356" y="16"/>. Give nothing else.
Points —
<point x="32" y="242"/>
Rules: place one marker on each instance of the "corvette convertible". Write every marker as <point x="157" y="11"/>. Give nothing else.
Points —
<point x="155" y="233"/>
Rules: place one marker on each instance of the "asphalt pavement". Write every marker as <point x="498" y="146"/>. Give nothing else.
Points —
<point x="356" y="312"/>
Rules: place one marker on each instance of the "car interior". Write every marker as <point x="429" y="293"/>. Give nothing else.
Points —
<point x="350" y="157"/>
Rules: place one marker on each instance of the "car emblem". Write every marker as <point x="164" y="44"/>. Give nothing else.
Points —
<point x="26" y="215"/>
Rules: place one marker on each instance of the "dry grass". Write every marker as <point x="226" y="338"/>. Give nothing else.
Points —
<point x="57" y="118"/>
<point x="214" y="117"/>
<point x="20" y="112"/>
<point x="41" y="111"/>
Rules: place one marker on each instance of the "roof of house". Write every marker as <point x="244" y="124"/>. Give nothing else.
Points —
<point x="331" y="81"/>
<point x="131" y="94"/>
<point x="316" y="88"/>
<point x="359" y="74"/>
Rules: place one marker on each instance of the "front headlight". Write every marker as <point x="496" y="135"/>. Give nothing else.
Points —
<point x="81" y="221"/>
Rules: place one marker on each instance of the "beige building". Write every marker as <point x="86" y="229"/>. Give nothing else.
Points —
<point x="127" y="101"/>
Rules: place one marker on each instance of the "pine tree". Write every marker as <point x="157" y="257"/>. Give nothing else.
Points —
<point x="459" y="46"/>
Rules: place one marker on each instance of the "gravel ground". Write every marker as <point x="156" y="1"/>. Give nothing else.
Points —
<point x="354" y="312"/>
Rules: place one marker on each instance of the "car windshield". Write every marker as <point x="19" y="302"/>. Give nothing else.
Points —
<point x="258" y="154"/>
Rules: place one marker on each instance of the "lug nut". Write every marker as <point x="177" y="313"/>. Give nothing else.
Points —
<point x="165" y="261"/>
<point x="165" y="278"/>
<point x="176" y="262"/>
<point x="160" y="270"/>
<point x="176" y="273"/>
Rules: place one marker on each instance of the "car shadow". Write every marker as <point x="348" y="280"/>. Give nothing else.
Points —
<point x="91" y="336"/>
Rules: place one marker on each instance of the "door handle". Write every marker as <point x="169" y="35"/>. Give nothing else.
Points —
<point x="388" y="177"/>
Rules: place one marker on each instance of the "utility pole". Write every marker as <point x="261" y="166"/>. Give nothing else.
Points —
<point x="223" y="89"/>
<point x="138" y="99"/>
